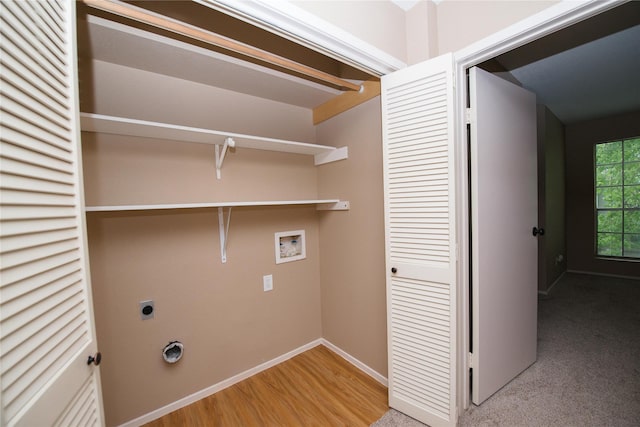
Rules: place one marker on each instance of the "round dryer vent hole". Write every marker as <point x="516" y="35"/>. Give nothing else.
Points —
<point x="173" y="352"/>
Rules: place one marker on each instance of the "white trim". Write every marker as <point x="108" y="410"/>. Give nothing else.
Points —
<point x="406" y="5"/>
<point x="593" y="273"/>
<point x="554" y="18"/>
<point x="555" y="282"/>
<point x="288" y="20"/>
<point x="355" y="362"/>
<point x="181" y="403"/>
<point x="550" y="20"/>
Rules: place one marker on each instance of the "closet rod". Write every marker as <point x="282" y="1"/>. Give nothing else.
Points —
<point x="151" y="18"/>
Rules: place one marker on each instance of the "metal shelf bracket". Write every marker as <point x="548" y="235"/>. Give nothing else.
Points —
<point x="221" y="153"/>
<point x="224" y="232"/>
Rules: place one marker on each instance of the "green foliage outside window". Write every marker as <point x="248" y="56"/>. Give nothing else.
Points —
<point x="617" y="181"/>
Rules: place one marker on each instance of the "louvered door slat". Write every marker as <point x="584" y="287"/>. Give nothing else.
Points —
<point x="22" y="74"/>
<point x="39" y="13"/>
<point x="34" y="103"/>
<point x="420" y="237"/>
<point x="27" y="270"/>
<point x="69" y="339"/>
<point x="16" y="243"/>
<point x="45" y="319"/>
<point x="11" y="181"/>
<point x="41" y="288"/>
<point x="25" y="227"/>
<point x="44" y="141"/>
<point x="24" y="256"/>
<point x="9" y="212"/>
<point x="54" y="14"/>
<point x="31" y="152"/>
<point x="33" y="41"/>
<point x="35" y="117"/>
<point x="81" y="411"/>
<point x="42" y="339"/>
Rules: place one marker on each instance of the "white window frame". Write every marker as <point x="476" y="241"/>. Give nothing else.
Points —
<point x="621" y="209"/>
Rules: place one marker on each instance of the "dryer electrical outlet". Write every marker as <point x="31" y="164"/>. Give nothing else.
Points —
<point x="146" y="309"/>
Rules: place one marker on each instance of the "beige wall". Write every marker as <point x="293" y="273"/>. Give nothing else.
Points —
<point x="379" y="23"/>
<point x="117" y="90"/>
<point x="352" y="243"/>
<point x="220" y="312"/>
<point x="461" y="23"/>
<point x="426" y="30"/>
<point x="422" y="32"/>
<point x="580" y="138"/>
<point x="551" y="200"/>
<point x="130" y="170"/>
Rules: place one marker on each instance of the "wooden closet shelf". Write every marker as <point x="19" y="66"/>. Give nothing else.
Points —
<point x="124" y="126"/>
<point x="323" y="204"/>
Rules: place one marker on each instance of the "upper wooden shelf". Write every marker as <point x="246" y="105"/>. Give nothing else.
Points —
<point x="124" y="126"/>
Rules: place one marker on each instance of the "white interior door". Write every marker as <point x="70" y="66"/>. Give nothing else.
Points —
<point x="46" y="322"/>
<point x="417" y="117"/>
<point x="504" y="201"/>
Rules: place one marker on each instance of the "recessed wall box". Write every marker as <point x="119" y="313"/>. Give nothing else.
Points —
<point x="290" y="246"/>
<point x="146" y="309"/>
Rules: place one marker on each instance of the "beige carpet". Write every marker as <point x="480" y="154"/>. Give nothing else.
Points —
<point x="588" y="367"/>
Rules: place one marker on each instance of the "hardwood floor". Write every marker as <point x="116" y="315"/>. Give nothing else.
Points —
<point x="315" y="388"/>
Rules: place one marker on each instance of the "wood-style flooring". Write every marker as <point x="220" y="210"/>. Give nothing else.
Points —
<point x="315" y="388"/>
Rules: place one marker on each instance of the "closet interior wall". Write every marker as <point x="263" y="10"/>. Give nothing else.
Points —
<point x="352" y="245"/>
<point x="220" y="312"/>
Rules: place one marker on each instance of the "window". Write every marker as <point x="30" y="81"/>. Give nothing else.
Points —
<point x="617" y="181"/>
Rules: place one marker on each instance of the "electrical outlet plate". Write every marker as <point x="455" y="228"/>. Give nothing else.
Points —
<point x="146" y="309"/>
<point x="267" y="282"/>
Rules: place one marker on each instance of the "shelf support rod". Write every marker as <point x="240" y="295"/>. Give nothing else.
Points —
<point x="228" y="142"/>
<point x="224" y="232"/>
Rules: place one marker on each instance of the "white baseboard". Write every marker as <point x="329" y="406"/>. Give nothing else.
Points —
<point x="593" y="273"/>
<point x="355" y="362"/>
<point x="185" y="401"/>
<point x="181" y="403"/>
<point x="555" y="282"/>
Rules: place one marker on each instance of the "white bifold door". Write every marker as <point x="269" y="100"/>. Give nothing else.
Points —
<point x="47" y="334"/>
<point x="418" y="106"/>
<point x="504" y="206"/>
<point x="417" y="110"/>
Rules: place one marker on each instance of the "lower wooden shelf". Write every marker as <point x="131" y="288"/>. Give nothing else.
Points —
<point x="321" y="204"/>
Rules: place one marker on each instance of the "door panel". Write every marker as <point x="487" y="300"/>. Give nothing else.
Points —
<point x="417" y="105"/>
<point x="504" y="201"/>
<point x="45" y="302"/>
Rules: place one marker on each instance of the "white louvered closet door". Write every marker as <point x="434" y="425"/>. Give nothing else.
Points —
<point x="46" y="324"/>
<point x="417" y="109"/>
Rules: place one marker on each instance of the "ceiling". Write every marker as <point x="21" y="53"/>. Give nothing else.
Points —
<point x="586" y="71"/>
